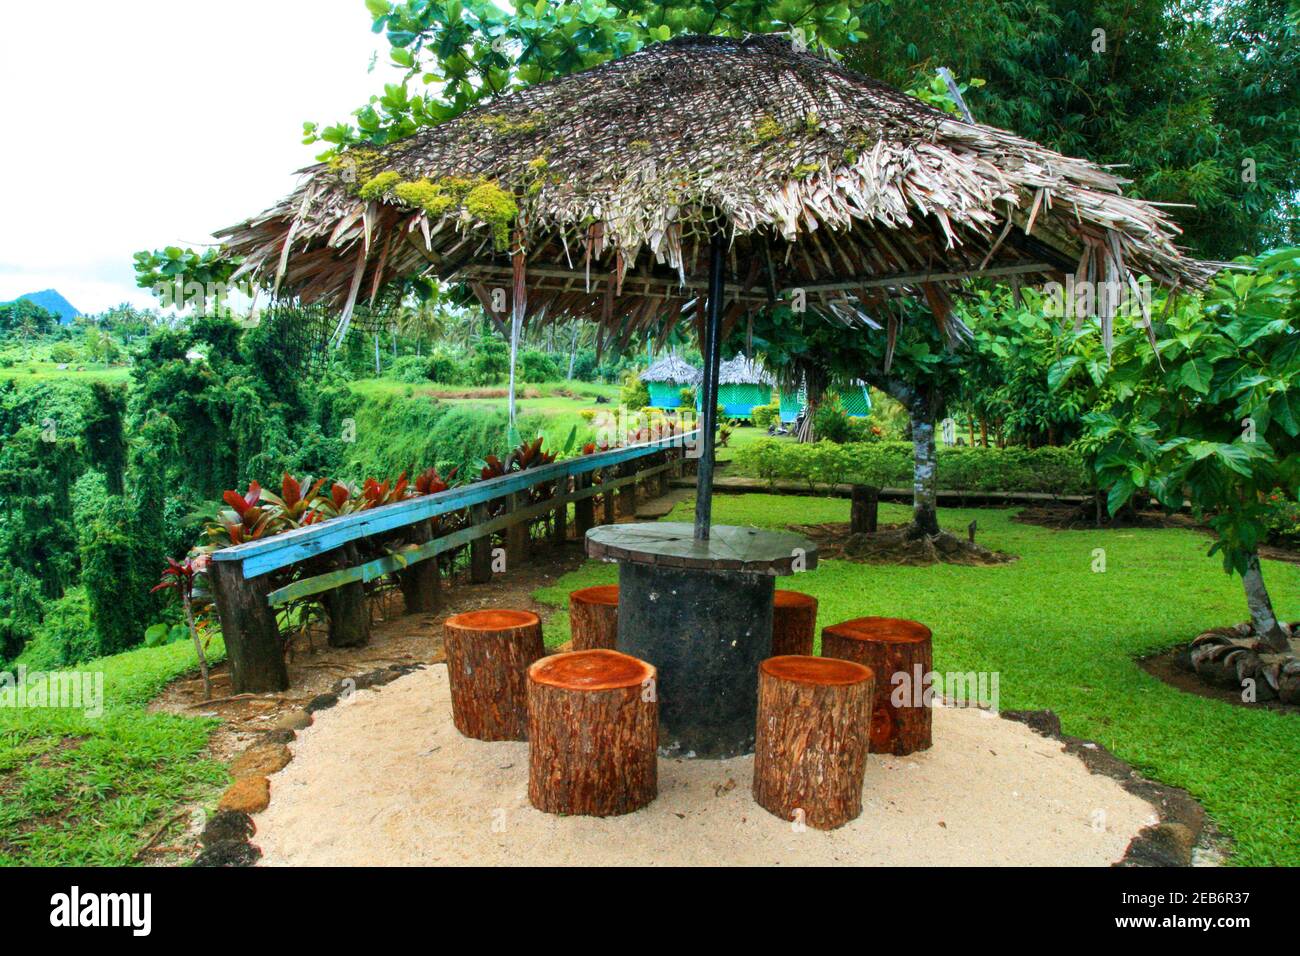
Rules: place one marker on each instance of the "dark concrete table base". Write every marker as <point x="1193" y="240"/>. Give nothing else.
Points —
<point x="701" y="613"/>
<point x="706" y="632"/>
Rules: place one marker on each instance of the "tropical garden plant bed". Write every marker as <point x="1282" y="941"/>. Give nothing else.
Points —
<point x="1174" y="667"/>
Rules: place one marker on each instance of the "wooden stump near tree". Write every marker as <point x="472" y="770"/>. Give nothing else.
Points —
<point x="488" y="655"/>
<point x="864" y="509"/>
<point x="889" y="646"/>
<point x="593" y="734"/>
<point x="593" y="617"/>
<point x="811" y="743"/>
<point x="794" y="623"/>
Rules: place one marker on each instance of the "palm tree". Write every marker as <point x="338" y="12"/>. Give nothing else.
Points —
<point x="425" y="320"/>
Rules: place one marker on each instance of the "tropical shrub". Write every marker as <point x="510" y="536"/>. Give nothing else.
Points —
<point x="538" y="366"/>
<point x="1048" y="470"/>
<point x="830" y="421"/>
<point x="763" y="415"/>
<point x="634" y="394"/>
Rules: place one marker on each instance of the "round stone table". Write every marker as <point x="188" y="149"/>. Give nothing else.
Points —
<point x="701" y="613"/>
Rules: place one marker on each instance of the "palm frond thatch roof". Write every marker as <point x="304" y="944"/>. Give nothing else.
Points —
<point x="744" y="371"/>
<point x="594" y="195"/>
<point x="671" y="368"/>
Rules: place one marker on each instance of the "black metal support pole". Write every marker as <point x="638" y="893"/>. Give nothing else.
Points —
<point x="712" y="349"/>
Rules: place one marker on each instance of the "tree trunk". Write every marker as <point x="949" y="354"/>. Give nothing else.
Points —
<point x="593" y="618"/>
<point x="488" y="656"/>
<point x="1262" y="617"/>
<point x="864" y="510"/>
<point x="810" y="755"/>
<point x="573" y="350"/>
<point x="925" y="518"/>
<point x="377" y="365"/>
<point x="899" y="654"/>
<point x="593" y="734"/>
<point x="794" y="623"/>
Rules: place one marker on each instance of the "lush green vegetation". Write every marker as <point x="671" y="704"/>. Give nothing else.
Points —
<point x="90" y="790"/>
<point x="1066" y="638"/>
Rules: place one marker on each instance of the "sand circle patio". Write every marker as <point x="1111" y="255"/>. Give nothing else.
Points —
<point x="384" y="778"/>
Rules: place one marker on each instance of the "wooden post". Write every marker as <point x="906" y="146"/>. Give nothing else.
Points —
<point x="593" y="617"/>
<point x="593" y="734"/>
<point x="607" y="495"/>
<point x="864" y="509"/>
<point x="584" y="509"/>
<point x="889" y="646"/>
<point x="810" y="752"/>
<point x="488" y="654"/>
<point x="249" y="629"/>
<point x="560" y="530"/>
<point x="419" y="581"/>
<point x="664" y="461"/>
<point x="480" y="549"/>
<point x="517" y="534"/>
<point x="627" y="493"/>
<point x="794" y="623"/>
<point x="346" y="605"/>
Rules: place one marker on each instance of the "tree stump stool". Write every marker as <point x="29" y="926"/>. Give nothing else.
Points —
<point x="488" y="654"/>
<point x="794" y="623"/>
<point x="593" y="617"/>
<point x="593" y="733"/>
<point x="889" y="646"/>
<point x="810" y="752"/>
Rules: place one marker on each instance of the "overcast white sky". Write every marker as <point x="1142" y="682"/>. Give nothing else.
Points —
<point x="136" y="124"/>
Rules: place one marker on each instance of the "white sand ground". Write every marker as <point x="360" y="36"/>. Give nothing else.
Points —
<point x="385" y="779"/>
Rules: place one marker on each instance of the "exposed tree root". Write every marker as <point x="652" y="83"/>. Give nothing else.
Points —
<point x="894" y="544"/>
<point x="1236" y="657"/>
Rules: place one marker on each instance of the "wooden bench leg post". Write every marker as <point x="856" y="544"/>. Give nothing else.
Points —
<point x="346" y="605"/>
<point x="560" y="530"/>
<point x="584" y="509"/>
<point x="480" y="549"/>
<point x="419" y="581"/>
<point x="627" y="493"/>
<point x="517" y="534"/>
<point x="607" y="495"/>
<point x="250" y="631"/>
<point x="664" y="462"/>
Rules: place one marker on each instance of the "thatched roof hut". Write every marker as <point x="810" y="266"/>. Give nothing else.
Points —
<point x="745" y="167"/>
<point x="666" y="377"/>
<point x="595" y="195"/>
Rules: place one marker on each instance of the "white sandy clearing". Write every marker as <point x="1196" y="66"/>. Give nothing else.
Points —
<point x="385" y="779"/>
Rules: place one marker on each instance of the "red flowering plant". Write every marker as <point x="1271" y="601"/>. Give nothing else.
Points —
<point x="180" y="576"/>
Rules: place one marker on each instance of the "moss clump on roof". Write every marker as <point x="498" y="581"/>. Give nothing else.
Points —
<point x="767" y="130"/>
<point x="489" y="203"/>
<point x="849" y="156"/>
<point x="504" y="125"/>
<point x="812" y="122"/>
<point x="376" y="186"/>
<point x="804" y="170"/>
<point x="640" y="145"/>
<point x="431" y="197"/>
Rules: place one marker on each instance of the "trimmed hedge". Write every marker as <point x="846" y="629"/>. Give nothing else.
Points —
<point x="1048" y="470"/>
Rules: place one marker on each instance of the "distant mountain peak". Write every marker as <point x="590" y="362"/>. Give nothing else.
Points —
<point x="51" y="300"/>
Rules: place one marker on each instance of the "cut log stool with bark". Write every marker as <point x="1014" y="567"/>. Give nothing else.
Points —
<point x="794" y="623"/>
<point x="889" y="646"/>
<point x="593" y="617"/>
<point x="810" y="751"/>
<point x="488" y="655"/>
<point x="593" y="733"/>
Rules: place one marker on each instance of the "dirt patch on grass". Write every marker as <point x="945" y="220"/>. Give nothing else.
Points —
<point x="893" y="545"/>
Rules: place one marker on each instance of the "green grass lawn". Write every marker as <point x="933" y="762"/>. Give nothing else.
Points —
<point x="1063" y="637"/>
<point x="29" y="372"/>
<point x="78" y="789"/>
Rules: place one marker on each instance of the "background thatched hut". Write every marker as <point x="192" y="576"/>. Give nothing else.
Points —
<point x="742" y="384"/>
<point x="666" y="377"/>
